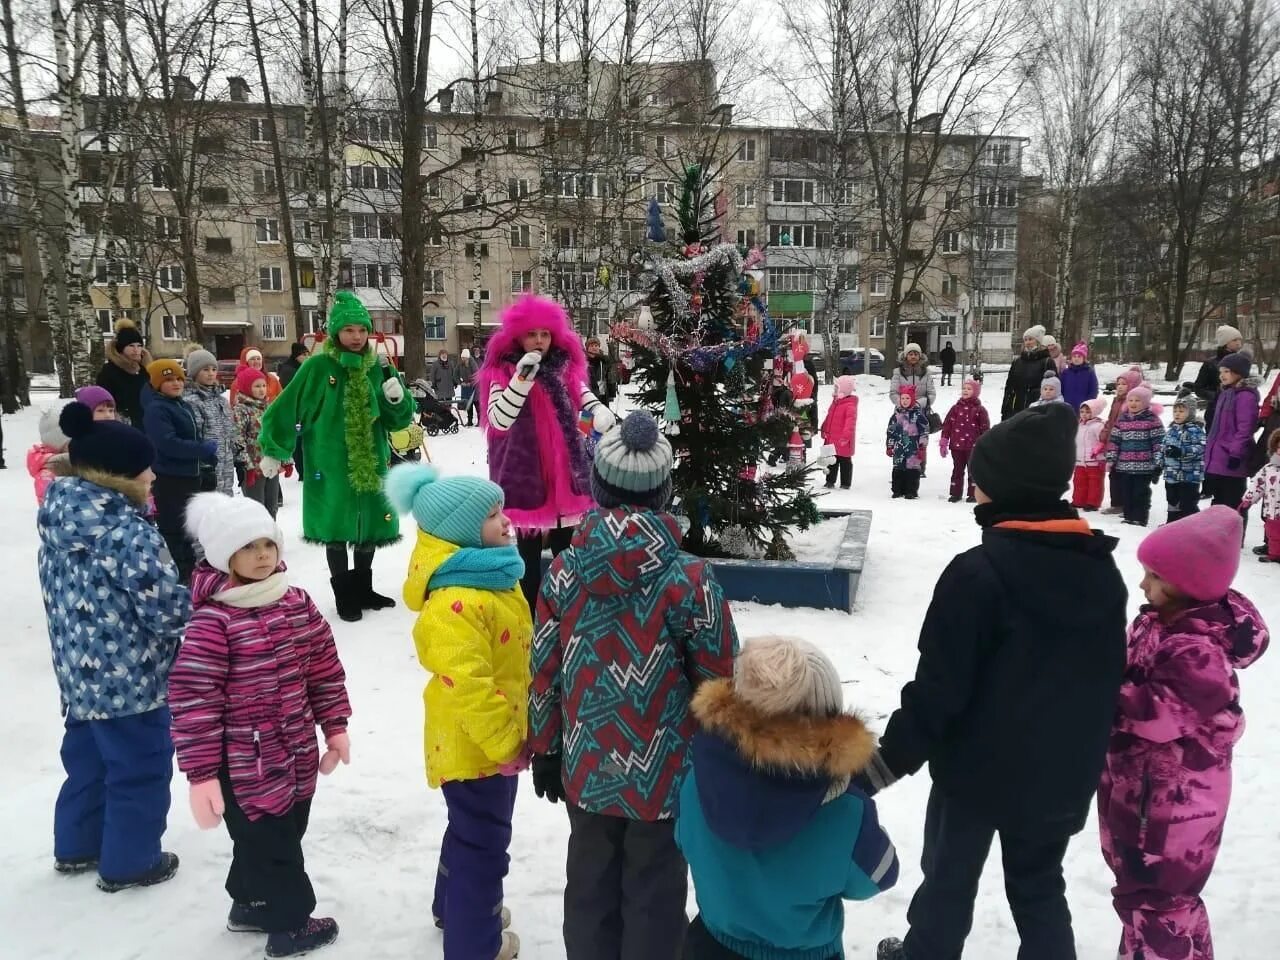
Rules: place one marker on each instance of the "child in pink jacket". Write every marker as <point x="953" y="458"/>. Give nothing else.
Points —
<point x="1091" y="462"/>
<point x="1163" y="797"/>
<point x="1265" y="490"/>
<point x="966" y="422"/>
<point x="257" y="672"/>
<point x="838" y="429"/>
<point x="48" y="459"/>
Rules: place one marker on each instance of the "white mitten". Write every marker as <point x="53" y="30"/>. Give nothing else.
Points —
<point x="604" y="420"/>
<point x="393" y="390"/>
<point x="527" y="367"/>
<point x="269" y="467"/>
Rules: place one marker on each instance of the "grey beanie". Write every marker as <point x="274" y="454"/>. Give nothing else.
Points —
<point x="1189" y="401"/>
<point x="632" y="465"/>
<point x="197" y="360"/>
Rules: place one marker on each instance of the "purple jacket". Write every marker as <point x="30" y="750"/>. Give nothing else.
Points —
<point x="247" y="690"/>
<point x="1235" y="418"/>
<point x="1078" y="384"/>
<point x="1167" y="780"/>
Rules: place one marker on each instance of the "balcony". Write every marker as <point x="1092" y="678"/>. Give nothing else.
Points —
<point x="97" y="193"/>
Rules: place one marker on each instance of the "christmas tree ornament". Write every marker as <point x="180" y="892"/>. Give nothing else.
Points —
<point x="657" y="233"/>
<point x="671" y="408"/>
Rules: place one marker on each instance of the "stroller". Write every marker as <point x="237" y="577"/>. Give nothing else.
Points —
<point x="434" y="417"/>
<point x="406" y="444"/>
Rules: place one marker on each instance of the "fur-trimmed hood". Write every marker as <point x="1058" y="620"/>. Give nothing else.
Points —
<point x="117" y="358"/>
<point x="761" y="778"/>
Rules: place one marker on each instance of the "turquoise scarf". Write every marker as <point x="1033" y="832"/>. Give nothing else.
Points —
<point x="483" y="568"/>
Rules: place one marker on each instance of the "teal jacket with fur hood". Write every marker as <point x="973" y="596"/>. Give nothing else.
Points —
<point x="344" y="434"/>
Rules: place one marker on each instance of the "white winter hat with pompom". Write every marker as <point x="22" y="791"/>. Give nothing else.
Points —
<point x="51" y="434"/>
<point x="222" y="525"/>
<point x="1035" y="333"/>
<point x="779" y="675"/>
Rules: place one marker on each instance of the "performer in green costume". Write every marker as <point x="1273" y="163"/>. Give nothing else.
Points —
<point x="342" y="402"/>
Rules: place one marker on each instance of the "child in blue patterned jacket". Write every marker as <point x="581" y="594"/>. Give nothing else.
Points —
<point x="1183" y="460"/>
<point x="775" y="832"/>
<point x="1137" y="452"/>
<point x="116" y="614"/>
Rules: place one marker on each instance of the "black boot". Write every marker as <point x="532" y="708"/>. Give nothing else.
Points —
<point x="164" y="870"/>
<point x="246" y="918"/>
<point x="312" y="935"/>
<point x="346" y="598"/>
<point x="362" y="585"/>
<point x="890" y="949"/>
<point x="71" y="867"/>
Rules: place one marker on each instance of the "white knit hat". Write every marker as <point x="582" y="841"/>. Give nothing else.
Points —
<point x="51" y="434"/>
<point x="1225" y="334"/>
<point x="1035" y="333"/>
<point x="778" y="675"/>
<point x="1048" y="340"/>
<point x="912" y="348"/>
<point x="225" y="524"/>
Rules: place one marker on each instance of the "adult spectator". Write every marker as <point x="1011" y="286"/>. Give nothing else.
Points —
<point x="948" y="359"/>
<point x="1022" y="388"/>
<point x="1055" y="352"/>
<point x="124" y="374"/>
<point x="600" y="373"/>
<point x="1207" y="385"/>
<point x="287" y="369"/>
<point x="466" y="370"/>
<point x="444" y="382"/>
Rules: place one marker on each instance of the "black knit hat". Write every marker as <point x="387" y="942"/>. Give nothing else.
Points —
<point x="1028" y="460"/>
<point x="127" y="335"/>
<point x="107" y="445"/>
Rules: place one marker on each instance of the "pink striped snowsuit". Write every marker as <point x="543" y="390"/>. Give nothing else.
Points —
<point x="1163" y="798"/>
<point x="247" y="690"/>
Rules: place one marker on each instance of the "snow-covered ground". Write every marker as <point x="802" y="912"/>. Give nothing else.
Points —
<point x="375" y="826"/>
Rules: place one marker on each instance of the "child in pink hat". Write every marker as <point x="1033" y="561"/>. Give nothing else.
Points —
<point x="838" y="429"/>
<point x="1163" y="797"/>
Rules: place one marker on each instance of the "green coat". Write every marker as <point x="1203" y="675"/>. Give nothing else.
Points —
<point x="312" y="407"/>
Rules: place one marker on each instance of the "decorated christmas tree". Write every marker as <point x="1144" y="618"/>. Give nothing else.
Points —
<point x="706" y="365"/>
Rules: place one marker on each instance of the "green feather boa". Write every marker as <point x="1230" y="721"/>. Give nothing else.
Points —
<point x="358" y="417"/>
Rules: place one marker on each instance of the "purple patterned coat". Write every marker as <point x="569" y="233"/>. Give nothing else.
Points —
<point x="1165" y="789"/>
<point x="247" y="691"/>
<point x="1235" y="419"/>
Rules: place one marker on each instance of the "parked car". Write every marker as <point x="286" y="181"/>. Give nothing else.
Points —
<point x="855" y="361"/>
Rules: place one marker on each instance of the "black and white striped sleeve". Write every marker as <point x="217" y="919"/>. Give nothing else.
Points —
<point x="505" y="403"/>
<point x="589" y="402"/>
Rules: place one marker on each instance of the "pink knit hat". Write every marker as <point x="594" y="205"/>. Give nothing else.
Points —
<point x="1080" y="350"/>
<point x="1096" y="406"/>
<point x="1141" y="393"/>
<point x="976" y="384"/>
<point x="246" y="378"/>
<point x="846" y="386"/>
<point x="1132" y="377"/>
<point x="907" y="390"/>
<point x="1198" y="555"/>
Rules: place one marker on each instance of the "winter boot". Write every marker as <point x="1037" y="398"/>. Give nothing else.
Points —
<point x="510" y="948"/>
<point x="362" y="585"/>
<point x="345" y="597"/>
<point x="72" y="867"/>
<point x="312" y="935"/>
<point x="1260" y="551"/>
<point x="164" y="870"/>
<point x="245" y="918"/>
<point x="890" y="949"/>
<point x="505" y="914"/>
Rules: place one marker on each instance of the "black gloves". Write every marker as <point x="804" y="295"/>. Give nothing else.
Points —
<point x="547" y="781"/>
<point x="1173" y="453"/>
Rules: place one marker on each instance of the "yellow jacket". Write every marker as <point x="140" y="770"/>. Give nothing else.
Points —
<point x="476" y="645"/>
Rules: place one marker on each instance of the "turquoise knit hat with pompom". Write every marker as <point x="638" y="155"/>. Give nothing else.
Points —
<point x="453" y="509"/>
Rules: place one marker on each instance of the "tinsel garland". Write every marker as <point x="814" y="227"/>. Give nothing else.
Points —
<point x="670" y="272"/>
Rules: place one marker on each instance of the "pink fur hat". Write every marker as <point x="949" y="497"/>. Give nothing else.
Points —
<point x="846" y="386"/>
<point x="527" y="314"/>
<point x="1199" y="555"/>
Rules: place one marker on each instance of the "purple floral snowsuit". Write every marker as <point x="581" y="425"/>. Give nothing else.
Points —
<point x="1163" y="798"/>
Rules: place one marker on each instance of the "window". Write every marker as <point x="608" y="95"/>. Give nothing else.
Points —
<point x="950" y="285"/>
<point x="793" y="235"/>
<point x="517" y="188"/>
<point x="951" y="241"/>
<point x="306" y="275"/>
<point x="877" y="325"/>
<point x="998" y="153"/>
<point x="433" y="327"/>
<point x="879" y="242"/>
<point x="369" y="177"/>
<point x="846" y="193"/>
<point x="372" y="275"/>
<point x="104" y="271"/>
<point x="217" y="244"/>
<point x="270" y="279"/>
<point x="169" y="278"/>
<point x="997" y="321"/>
<point x="259" y="130"/>
<point x="880" y="285"/>
<point x="1001" y="196"/>
<point x="173" y="327"/>
<point x="167" y="228"/>
<point x="433" y="281"/>
<point x="364" y="226"/>
<point x="223" y="295"/>
<point x="663" y="147"/>
<point x="953" y="200"/>
<point x="161" y="177"/>
<point x="295" y="127"/>
<point x="634" y="233"/>
<point x="435" y="236"/>
<point x="1000" y="280"/>
<point x="480" y="295"/>
<point x="369" y="128"/>
<point x="521" y="281"/>
<point x="268" y="230"/>
<point x="273" y="327"/>
<point x="746" y="151"/>
<point x="471" y="250"/>
<point x="218" y="196"/>
<point x="430" y="138"/>
<point x="782" y="147"/>
<point x="955" y="156"/>
<point x="434" y="190"/>
<point x="744" y="195"/>
<point x="664" y="191"/>
<point x="298" y="178"/>
<point x="520" y="235"/>
<point x="566" y="237"/>
<point x="517" y="139"/>
<point x="790" y="279"/>
<point x="747" y="238"/>
<point x="470" y="200"/>
<point x="312" y="321"/>
<point x="211" y="144"/>
<point x="793" y="191"/>
<point x="264" y="180"/>
<point x="106" y="326"/>
<point x="999" y="239"/>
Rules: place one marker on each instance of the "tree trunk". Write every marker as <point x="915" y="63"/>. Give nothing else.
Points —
<point x="414" y="53"/>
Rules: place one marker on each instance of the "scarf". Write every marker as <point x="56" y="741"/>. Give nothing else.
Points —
<point x="482" y="568"/>
<point x="260" y="593"/>
<point x="1000" y="514"/>
<point x="358" y="416"/>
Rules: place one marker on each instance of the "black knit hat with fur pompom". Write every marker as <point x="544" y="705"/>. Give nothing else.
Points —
<point x="107" y="445"/>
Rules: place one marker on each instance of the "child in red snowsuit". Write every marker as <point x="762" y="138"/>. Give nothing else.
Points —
<point x="966" y="422"/>
<point x="1162" y="802"/>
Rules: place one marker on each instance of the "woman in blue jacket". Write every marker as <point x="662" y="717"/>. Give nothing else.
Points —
<point x="776" y="835"/>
